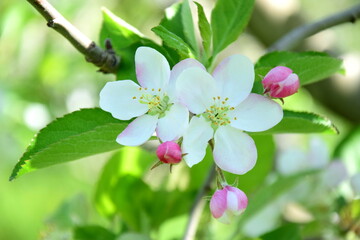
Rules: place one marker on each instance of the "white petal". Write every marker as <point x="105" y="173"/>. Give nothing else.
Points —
<point x="118" y="99"/>
<point x="195" y="89"/>
<point x="177" y="70"/>
<point x="355" y="183"/>
<point x="152" y="68"/>
<point x="195" y="140"/>
<point x="234" y="150"/>
<point x="232" y="202"/>
<point x="235" y="78"/>
<point x="172" y="126"/>
<point x="291" y="161"/>
<point x="256" y="113"/>
<point x="319" y="155"/>
<point x="335" y="173"/>
<point x="138" y="131"/>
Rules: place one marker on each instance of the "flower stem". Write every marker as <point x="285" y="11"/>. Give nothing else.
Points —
<point x="198" y="206"/>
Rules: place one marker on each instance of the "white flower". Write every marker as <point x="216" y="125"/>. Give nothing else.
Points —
<point x="153" y="102"/>
<point x="225" y="107"/>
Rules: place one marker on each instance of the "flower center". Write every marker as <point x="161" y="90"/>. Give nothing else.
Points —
<point x="217" y="114"/>
<point x="157" y="102"/>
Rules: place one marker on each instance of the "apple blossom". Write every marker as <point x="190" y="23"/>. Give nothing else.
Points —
<point x="153" y="102"/>
<point x="227" y="203"/>
<point x="169" y="152"/>
<point x="281" y="82"/>
<point x="225" y="107"/>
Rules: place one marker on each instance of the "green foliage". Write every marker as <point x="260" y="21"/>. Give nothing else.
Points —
<point x="269" y="193"/>
<point x="76" y="135"/>
<point x="188" y="25"/>
<point x="228" y="20"/>
<point x="286" y="232"/>
<point x="302" y="122"/>
<point x="125" y="40"/>
<point x="173" y="20"/>
<point x="93" y="233"/>
<point x="205" y="30"/>
<point x="121" y="191"/>
<point x="173" y="41"/>
<point x="309" y="66"/>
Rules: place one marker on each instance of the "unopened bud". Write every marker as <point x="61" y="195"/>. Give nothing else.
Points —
<point x="169" y="152"/>
<point x="281" y="82"/>
<point x="227" y="203"/>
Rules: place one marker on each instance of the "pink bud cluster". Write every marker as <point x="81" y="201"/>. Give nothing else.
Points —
<point x="281" y="82"/>
<point x="227" y="203"/>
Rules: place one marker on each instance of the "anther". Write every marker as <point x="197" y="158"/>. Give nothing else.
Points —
<point x="134" y="97"/>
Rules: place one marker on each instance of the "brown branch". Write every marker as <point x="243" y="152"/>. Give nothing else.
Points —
<point x="106" y="60"/>
<point x="295" y="36"/>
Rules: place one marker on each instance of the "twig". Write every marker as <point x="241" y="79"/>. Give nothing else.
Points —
<point x="106" y="60"/>
<point x="298" y="34"/>
<point x="198" y="206"/>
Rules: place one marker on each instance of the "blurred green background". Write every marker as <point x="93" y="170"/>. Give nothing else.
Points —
<point x="43" y="77"/>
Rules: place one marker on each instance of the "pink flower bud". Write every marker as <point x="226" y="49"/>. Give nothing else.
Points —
<point x="227" y="203"/>
<point x="169" y="152"/>
<point x="280" y="82"/>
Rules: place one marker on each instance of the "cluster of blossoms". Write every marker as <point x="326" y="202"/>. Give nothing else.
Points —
<point x="222" y="109"/>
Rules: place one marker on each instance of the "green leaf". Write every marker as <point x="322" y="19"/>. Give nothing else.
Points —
<point x="287" y="232"/>
<point x="173" y="41"/>
<point x="125" y="40"/>
<point x="93" y="232"/>
<point x="302" y="122"/>
<point x="121" y="191"/>
<point x="76" y="135"/>
<point x="309" y="66"/>
<point x="228" y="20"/>
<point x="188" y="24"/>
<point x="132" y="161"/>
<point x="267" y="194"/>
<point x="172" y="20"/>
<point x="205" y="30"/>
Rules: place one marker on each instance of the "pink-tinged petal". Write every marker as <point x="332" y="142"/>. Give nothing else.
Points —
<point x="256" y="113"/>
<point x="241" y="198"/>
<point x="195" y="88"/>
<point x="177" y="70"/>
<point x="195" y="140"/>
<point x="277" y="74"/>
<point x="152" y="68"/>
<point x="218" y="203"/>
<point x="138" y="131"/>
<point x="172" y="126"/>
<point x="234" y="150"/>
<point x="285" y="88"/>
<point x="235" y="78"/>
<point x="118" y="99"/>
